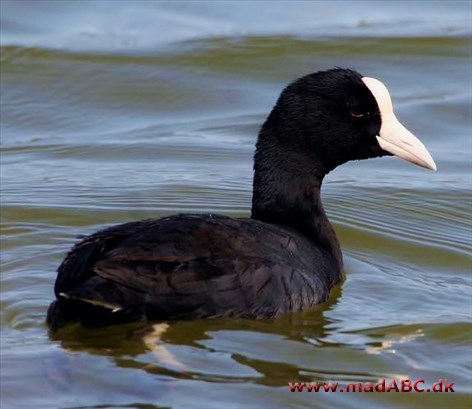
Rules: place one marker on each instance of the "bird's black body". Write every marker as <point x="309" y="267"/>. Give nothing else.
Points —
<point x="191" y="266"/>
<point x="285" y="257"/>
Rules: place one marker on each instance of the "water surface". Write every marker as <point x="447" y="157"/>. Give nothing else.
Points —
<point x="118" y="111"/>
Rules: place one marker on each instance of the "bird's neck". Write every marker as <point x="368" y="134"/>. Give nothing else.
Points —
<point x="286" y="191"/>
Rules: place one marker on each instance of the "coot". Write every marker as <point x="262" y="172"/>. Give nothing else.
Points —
<point x="285" y="257"/>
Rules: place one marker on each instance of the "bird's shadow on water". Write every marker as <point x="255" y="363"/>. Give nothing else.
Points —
<point x="183" y="349"/>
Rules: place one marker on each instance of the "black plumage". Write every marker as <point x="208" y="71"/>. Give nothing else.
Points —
<point x="285" y="257"/>
<point x="191" y="266"/>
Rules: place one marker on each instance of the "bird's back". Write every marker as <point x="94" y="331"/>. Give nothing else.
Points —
<point x="190" y="266"/>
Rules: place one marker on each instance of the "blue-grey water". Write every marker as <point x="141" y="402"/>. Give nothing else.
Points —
<point x="114" y="111"/>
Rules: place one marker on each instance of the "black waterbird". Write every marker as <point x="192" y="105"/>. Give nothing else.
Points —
<point x="285" y="257"/>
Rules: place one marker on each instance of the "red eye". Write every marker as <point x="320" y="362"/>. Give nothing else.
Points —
<point x="356" y="113"/>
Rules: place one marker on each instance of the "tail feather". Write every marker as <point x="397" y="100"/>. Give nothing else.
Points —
<point x="96" y="302"/>
<point x="59" y="315"/>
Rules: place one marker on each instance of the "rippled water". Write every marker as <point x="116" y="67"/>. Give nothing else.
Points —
<point x="118" y="111"/>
